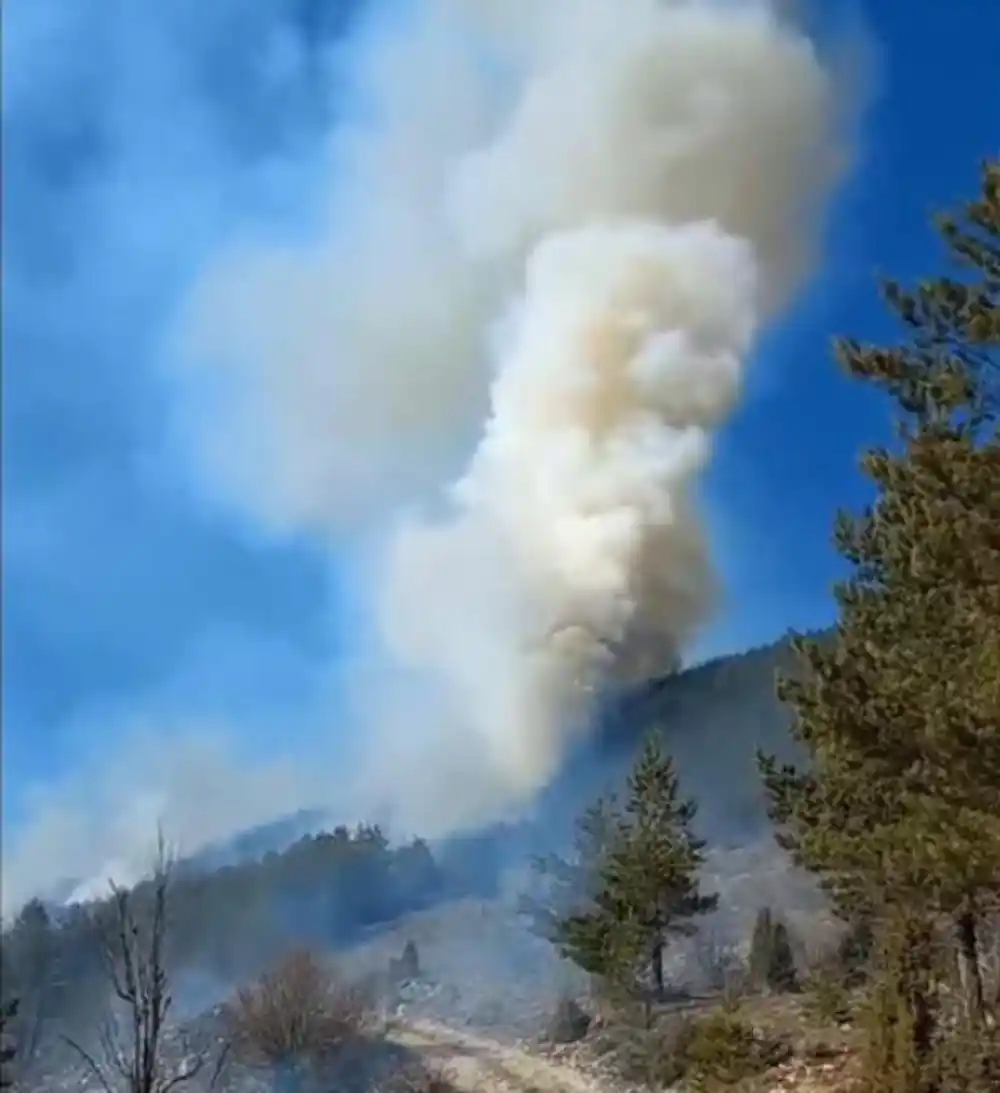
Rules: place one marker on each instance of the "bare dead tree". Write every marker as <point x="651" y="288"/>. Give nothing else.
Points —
<point x="130" y="1042"/>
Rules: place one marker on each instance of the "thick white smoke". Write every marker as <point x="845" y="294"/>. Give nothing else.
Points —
<point x="548" y="258"/>
<point x="573" y="532"/>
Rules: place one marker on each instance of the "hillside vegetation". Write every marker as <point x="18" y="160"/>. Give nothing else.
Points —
<point x="876" y="763"/>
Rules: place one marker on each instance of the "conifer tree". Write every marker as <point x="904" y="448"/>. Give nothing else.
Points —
<point x="771" y="961"/>
<point x="899" y="712"/>
<point x="644" y="879"/>
<point x="8" y="1011"/>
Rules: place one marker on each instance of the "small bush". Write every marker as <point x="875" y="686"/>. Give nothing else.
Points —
<point x="967" y="1061"/>
<point x="295" y="1014"/>
<point x="827" y="996"/>
<point x="722" y="1049"/>
<point x="706" y="1053"/>
<point x="643" y="1054"/>
<point x="734" y="992"/>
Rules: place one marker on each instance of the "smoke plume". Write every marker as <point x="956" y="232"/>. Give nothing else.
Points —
<point x="555" y="230"/>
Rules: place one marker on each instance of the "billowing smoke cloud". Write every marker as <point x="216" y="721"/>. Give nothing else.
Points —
<point x="554" y="231"/>
<point x="193" y="779"/>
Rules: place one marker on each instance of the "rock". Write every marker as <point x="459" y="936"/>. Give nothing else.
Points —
<point x="569" y="1023"/>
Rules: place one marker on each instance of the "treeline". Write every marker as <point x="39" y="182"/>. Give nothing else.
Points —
<point x="896" y="809"/>
<point x="226" y="924"/>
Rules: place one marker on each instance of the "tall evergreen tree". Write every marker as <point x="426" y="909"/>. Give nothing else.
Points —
<point x="8" y="1012"/>
<point x="643" y="878"/>
<point x="899" y="713"/>
<point x="31" y="968"/>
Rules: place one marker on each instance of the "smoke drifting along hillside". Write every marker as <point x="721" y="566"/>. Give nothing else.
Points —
<point x="552" y="240"/>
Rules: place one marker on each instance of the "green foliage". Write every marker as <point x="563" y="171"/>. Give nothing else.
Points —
<point x="899" y="713"/>
<point x="634" y="880"/>
<point x="229" y="922"/>
<point x="914" y="1041"/>
<point x="771" y="962"/>
<point x="705" y="1053"/>
<point x="827" y="998"/>
<point x="8" y="1012"/>
<point x="967" y="1063"/>
<point x="722" y="1049"/>
<point x="646" y="1054"/>
<point x="854" y="951"/>
<point x="897" y="1015"/>
<point x="899" y="809"/>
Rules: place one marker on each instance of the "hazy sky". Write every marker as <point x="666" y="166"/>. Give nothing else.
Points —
<point x="143" y="624"/>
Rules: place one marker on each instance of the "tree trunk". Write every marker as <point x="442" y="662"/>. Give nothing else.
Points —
<point x="970" y="974"/>
<point x="911" y="961"/>
<point x="923" y="1022"/>
<point x="658" y="969"/>
<point x="921" y="981"/>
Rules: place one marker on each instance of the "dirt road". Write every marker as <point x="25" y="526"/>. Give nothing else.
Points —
<point x="477" y="1063"/>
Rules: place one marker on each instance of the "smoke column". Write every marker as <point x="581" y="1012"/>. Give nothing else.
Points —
<point x="550" y="247"/>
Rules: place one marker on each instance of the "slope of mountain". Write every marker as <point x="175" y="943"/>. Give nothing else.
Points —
<point x="713" y="718"/>
<point x="252" y="844"/>
<point x="237" y="904"/>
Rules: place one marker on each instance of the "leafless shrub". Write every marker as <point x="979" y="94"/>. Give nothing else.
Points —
<point x="295" y="1014"/>
<point x="130" y="1039"/>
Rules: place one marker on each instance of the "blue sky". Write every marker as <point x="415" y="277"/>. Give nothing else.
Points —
<point x="134" y="140"/>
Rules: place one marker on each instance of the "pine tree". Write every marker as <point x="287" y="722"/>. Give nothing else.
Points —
<point x="900" y="711"/>
<point x="771" y="962"/>
<point x="8" y="1012"/>
<point x="645" y="884"/>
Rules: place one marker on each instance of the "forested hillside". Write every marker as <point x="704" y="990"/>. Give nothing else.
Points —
<point x="329" y="888"/>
